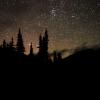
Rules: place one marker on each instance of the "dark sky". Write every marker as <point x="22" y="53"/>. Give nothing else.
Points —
<point x="70" y="23"/>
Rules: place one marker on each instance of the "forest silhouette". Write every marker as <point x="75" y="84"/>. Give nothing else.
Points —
<point x="12" y="55"/>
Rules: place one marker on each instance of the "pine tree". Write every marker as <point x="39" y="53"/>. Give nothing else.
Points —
<point x="31" y="50"/>
<point x="59" y="57"/>
<point x="20" y="46"/>
<point x="40" y="45"/>
<point x="11" y="46"/>
<point x="55" y="57"/>
<point x="12" y="43"/>
<point x="45" y="39"/>
<point x="4" y="44"/>
<point x="45" y="46"/>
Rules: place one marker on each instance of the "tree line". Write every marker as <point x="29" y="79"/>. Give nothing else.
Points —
<point x="16" y="53"/>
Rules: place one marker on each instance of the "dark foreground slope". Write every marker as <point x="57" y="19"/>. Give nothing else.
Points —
<point x="86" y="60"/>
<point x="78" y="71"/>
<point x="85" y="57"/>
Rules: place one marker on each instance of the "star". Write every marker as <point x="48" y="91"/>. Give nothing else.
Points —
<point x="53" y="12"/>
<point x="73" y="16"/>
<point x="69" y="22"/>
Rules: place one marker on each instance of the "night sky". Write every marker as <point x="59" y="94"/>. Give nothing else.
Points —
<point x="70" y="23"/>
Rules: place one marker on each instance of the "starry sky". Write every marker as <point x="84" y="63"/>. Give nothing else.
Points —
<point x="70" y="23"/>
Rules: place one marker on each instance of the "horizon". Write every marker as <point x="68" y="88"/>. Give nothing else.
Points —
<point x="65" y="52"/>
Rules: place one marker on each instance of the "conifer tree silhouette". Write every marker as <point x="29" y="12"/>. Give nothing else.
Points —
<point x="12" y="43"/>
<point x="45" y="40"/>
<point x="11" y="47"/>
<point x="20" y="46"/>
<point x="4" y="44"/>
<point x="40" y="45"/>
<point x="55" y="57"/>
<point x="59" y="57"/>
<point x="45" y="45"/>
<point x="31" y="50"/>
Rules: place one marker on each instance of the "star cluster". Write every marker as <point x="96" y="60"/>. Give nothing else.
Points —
<point x="70" y="23"/>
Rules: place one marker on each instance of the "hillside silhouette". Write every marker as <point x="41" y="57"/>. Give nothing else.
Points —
<point x="12" y="55"/>
<point x="84" y="57"/>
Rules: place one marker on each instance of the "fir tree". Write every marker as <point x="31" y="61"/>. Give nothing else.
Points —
<point x="55" y="58"/>
<point x="40" y="45"/>
<point x="11" y="46"/>
<point x="12" y="43"/>
<point x="20" y="46"/>
<point x="31" y="50"/>
<point x="4" y="44"/>
<point x="59" y="57"/>
<point x="45" y="39"/>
